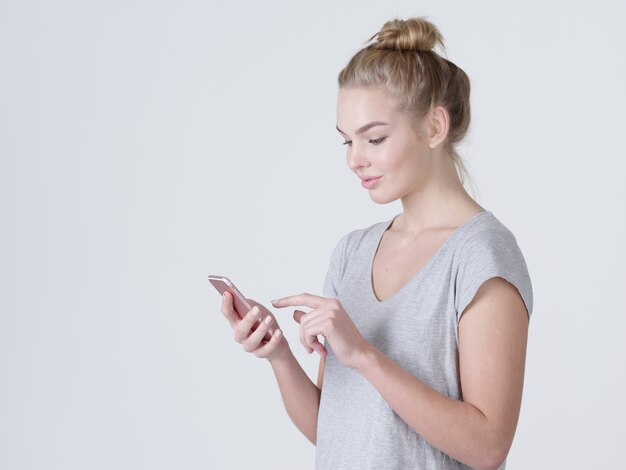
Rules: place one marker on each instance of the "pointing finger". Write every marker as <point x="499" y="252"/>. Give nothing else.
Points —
<point x="308" y="300"/>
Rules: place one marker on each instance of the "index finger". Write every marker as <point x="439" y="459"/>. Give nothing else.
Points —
<point x="308" y="300"/>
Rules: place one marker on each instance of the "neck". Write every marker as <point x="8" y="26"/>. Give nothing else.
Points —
<point x="440" y="201"/>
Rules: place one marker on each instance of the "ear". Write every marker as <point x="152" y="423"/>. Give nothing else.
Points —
<point x="439" y="126"/>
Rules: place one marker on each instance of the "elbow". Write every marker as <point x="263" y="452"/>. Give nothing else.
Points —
<point x="310" y="434"/>
<point x="490" y="465"/>
<point x="493" y="456"/>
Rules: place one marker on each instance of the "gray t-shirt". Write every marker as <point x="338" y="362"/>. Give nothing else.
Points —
<point x="418" y="328"/>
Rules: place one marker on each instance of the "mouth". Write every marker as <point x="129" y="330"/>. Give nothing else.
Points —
<point x="370" y="182"/>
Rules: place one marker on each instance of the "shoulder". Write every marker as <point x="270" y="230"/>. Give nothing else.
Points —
<point x="350" y="249"/>
<point x="359" y="237"/>
<point x="488" y="239"/>
<point x="489" y="249"/>
<point x="485" y="230"/>
<point x="355" y="245"/>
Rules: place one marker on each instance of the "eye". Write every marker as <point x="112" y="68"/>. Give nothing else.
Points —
<point x="377" y="141"/>
<point x="347" y="142"/>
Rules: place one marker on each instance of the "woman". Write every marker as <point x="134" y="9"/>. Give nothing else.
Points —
<point x="424" y="316"/>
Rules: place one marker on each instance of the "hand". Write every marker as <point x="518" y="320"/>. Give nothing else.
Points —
<point x="330" y="320"/>
<point x="251" y="330"/>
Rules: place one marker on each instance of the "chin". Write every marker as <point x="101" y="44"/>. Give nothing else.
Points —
<point x="382" y="198"/>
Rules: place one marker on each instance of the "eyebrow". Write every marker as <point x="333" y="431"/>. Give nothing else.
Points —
<point x="366" y="127"/>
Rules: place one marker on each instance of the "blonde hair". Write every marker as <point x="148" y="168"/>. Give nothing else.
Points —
<point x="402" y="60"/>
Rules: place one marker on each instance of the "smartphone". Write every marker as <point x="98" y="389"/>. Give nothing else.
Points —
<point x="242" y="306"/>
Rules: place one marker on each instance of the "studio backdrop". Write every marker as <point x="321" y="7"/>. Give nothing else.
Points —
<point x="145" y="145"/>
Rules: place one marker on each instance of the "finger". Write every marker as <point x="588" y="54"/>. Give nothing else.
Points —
<point x="265" y="326"/>
<point x="266" y="349"/>
<point x="309" y="317"/>
<point x="305" y="319"/>
<point x="320" y="348"/>
<point x="313" y="341"/>
<point x="303" y="341"/>
<point x="242" y="329"/>
<point x="312" y="328"/>
<point x="228" y="310"/>
<point x="297" y="315"/>
<point x="308" y="300"/>
<point x="273" y="324"/>
<point x="253" y="341"/>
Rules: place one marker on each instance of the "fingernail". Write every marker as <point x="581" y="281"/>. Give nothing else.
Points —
<point x="268" y="319"/>
<point x="255" y="310"/>
<point x="278" y="333"/>
<point x="275" y="301"/>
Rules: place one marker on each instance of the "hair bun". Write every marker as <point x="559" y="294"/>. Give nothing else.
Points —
<point x="408" y="35"/>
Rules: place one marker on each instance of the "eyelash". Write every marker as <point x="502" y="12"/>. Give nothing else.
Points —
<point x="371" y="141"/>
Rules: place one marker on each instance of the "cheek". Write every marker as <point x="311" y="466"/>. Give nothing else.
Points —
<point x="395" y="158"/>
<point x="385" y="162"/>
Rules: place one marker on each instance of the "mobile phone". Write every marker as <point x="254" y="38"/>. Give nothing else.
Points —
<point x="242" y="306"/>
<point x="223" y="284"/>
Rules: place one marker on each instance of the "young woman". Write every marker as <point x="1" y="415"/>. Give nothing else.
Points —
<point x="424" y="316"/>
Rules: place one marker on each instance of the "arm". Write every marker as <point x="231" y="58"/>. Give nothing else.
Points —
<point x="477" y="431"/>
<point x="300" y="395"/>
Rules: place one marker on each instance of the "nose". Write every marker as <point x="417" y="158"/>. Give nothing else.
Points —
<point x="356" y="158"/>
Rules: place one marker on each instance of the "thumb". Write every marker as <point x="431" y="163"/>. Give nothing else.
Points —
<point x="297" y="315"/>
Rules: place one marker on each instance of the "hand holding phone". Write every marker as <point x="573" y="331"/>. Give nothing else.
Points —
<point x="240" y="303"/>
<point x="223" y="284"/>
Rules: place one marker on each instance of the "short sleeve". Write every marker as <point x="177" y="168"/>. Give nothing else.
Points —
<point x="488" y="254"/>
<point x="335" y="270"/>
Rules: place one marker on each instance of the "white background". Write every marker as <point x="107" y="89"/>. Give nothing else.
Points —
<point x="147" y="144"/>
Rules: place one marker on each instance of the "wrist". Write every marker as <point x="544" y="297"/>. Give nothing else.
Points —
<point x="366" y="358"/>
<point x="282" y="354"/>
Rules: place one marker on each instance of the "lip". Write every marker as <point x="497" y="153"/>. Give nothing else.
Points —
<point x="369" y="182"/>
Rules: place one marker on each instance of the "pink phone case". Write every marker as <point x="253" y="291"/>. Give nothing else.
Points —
<point x="222" y="284"/>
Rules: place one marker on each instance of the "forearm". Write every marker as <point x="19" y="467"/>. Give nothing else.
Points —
<point x="300" y="395"/>
<point x="457" y="428"/>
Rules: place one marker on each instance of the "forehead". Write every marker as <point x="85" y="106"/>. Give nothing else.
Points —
<point x="358" y="106"/>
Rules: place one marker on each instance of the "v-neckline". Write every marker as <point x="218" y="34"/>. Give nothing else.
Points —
<point x="424" y="267"/>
